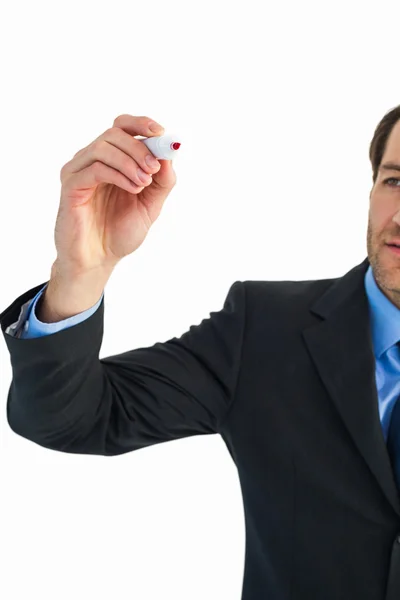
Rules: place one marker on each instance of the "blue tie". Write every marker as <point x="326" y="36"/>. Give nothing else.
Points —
<point x="393" y="440"/>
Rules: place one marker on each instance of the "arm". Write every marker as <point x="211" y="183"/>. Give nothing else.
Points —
<point x="64" y="397"/>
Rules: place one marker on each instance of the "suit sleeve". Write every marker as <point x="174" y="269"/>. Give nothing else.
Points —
<point x="64" y="397"/>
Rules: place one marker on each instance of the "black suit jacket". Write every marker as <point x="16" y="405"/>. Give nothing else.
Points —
<point x="285" y="373"/>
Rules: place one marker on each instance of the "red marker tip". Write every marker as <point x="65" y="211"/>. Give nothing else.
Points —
<point x="175" y="146"/>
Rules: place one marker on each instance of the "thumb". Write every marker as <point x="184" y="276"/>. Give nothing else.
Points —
<point x="166" y="176"/>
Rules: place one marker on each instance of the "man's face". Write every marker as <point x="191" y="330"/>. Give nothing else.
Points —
<point x="384" y="221"/>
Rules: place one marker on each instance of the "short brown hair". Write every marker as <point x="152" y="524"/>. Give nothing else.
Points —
<point x="381" y="135"/>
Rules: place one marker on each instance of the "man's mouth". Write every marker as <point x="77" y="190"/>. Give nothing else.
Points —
<point x="394" y="248"/>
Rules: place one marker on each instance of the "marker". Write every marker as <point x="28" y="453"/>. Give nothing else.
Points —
<point x="163" y="147"/>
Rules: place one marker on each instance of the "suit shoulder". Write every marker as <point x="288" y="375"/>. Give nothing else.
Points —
<point x="281" y="292"/>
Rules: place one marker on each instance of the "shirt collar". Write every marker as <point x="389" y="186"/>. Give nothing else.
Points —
<point x="385" y="316"/>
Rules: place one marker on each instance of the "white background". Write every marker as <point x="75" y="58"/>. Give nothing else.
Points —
<point x="276" y="104"/>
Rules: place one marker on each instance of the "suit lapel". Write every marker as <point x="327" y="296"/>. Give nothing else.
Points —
<point x="341" y="348"/>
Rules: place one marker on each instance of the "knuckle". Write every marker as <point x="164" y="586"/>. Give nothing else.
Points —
<point x="64" y="171"/>
<point x="79" y="152"/>
<point x="97" y="169"/>
<point x="98" y="146"/>
<point x="118" y="119"/>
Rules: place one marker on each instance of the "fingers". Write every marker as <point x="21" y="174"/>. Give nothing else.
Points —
<point x="77" y="184"/>
<point x="133" y="148"/>
<point x="137" y="125"/>
<point x="118" y="156"/>
<point x="118" y="150"/>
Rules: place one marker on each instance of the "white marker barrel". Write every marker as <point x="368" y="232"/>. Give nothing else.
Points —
<point x="162" y="145"/>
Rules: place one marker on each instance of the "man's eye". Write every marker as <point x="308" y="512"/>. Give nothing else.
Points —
<point x="392" y="179"/>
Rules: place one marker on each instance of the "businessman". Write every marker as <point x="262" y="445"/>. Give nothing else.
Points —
<point x="300" y="378"/>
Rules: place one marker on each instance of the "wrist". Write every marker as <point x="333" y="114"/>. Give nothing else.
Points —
<point x="66" y="296"/>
